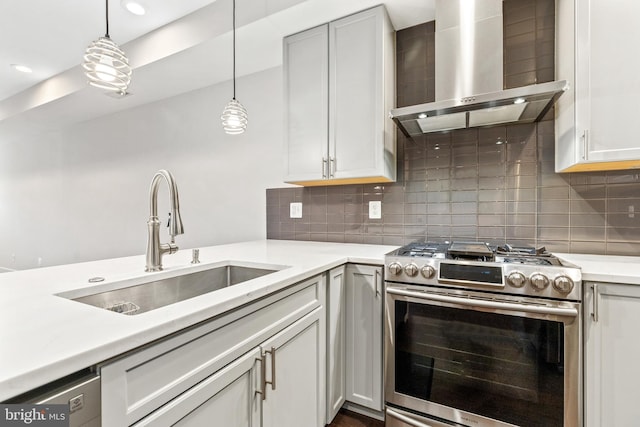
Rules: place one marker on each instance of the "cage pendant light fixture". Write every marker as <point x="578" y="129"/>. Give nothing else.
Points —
<point x="105" y="64"/>
<point x="234" y="117"/>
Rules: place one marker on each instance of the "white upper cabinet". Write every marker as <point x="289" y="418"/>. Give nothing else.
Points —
<point x="339" y="85"/>
<point x="306" y="113"/>
<point x="595" y="119"/>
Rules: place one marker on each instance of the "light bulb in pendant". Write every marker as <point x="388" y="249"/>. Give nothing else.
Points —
<point x="104" y="70"/>
<point x="234" y="118"/>
<point x="105" y="64"/>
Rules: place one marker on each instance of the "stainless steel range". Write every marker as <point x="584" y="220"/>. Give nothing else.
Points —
<point x="480" y="335"/>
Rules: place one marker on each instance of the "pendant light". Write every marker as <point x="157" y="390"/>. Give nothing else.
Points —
<point x="105" y="64"/>
<point x="234" y="117"/>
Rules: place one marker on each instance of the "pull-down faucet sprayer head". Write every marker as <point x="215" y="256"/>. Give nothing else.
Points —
<point x="155" y="249"/>
<point x="175" y="226"/>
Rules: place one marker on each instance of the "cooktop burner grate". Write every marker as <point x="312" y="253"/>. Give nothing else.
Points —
<point x="427" y="250"/>
<point x="479" y="251"/>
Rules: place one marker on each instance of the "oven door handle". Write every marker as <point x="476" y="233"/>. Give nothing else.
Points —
<point x="410" y="421"/>
<point x="539" y="309"/>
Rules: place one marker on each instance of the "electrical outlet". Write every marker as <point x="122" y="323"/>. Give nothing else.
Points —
<point x="295" y="210"/>
<point x="375" y="209"/>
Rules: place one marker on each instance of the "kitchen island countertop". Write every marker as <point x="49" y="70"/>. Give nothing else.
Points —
<point x="45" y="336"/>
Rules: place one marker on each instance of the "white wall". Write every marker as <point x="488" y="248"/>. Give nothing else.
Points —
<point x="81" y="193"/>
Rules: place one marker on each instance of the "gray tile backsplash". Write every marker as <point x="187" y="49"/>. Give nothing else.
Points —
<point x="491" y="184"/>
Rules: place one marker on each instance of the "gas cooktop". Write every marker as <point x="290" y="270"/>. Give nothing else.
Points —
<point x="504" y="268"/>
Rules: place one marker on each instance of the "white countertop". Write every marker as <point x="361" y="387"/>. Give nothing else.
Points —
<point x="45" y="337"/>
<point x="606" y="268"/>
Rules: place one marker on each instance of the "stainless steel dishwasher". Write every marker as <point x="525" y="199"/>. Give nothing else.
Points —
<point x="81" y="391"/>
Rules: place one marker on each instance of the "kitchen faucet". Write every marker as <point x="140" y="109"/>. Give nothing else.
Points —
<point x="155" y="249"/>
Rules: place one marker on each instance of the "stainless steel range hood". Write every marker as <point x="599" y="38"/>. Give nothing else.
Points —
<point x="469" y="76"/>
<point x="523" y="105"/>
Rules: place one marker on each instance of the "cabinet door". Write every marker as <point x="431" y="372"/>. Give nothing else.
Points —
<point x="594" y="119"/>
<point x="295" y="374"/>
<point x="612" y="352"/>
<point x="306" y="104"/>
<point x="358" y="113"/>
<point x="336" y="342"/>
<point x="607" y="85"/>
<point x="364" y="335"/>
<point x="229" y="397"/>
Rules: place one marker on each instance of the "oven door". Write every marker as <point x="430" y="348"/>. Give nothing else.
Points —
<point x="482" y="360"/>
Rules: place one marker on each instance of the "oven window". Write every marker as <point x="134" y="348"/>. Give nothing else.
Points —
<point x="503" y="367"/>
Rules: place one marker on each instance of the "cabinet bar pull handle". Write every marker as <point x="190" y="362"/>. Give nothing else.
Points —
<point x="377" y="283"/>
<point x="596" y="296"/>
<point x="324" y="167"/>
<point x="263" y="378"/>
<point x="272" y="352"/>
<point x="332" y="170"/>
<point x="585" y="143"/>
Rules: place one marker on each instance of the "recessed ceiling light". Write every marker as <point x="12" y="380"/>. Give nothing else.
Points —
<point x="21" y="68"/>
<point x="519" y="101"/>
<point x="134" y="7"/>
<point x="422" y="116"/>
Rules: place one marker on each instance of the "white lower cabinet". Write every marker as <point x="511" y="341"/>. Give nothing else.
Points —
<point x="612" y="351"/>
<point x="336" y="342"/>
<point x="294" y="375"/>
<point x="364" y="353"/>
<point x="229" y="397"/>
<point x="290" y="359"/>
<point x="261" y="364"/>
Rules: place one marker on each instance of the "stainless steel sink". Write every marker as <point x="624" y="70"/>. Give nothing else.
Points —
<point x="151" y="295"/>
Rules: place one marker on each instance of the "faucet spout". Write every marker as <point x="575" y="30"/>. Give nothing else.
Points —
<point x="155" y="249"/>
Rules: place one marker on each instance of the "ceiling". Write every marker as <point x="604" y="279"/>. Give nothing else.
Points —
<point x="186" y="38"/>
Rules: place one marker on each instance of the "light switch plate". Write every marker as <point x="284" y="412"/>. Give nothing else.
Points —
<point x="295" y="210"/>
<point x="375" y="209"/>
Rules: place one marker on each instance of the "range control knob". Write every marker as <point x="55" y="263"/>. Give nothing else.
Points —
<point x="427" y="271"/>
<point x="411" y="270"/>
<point x="516" y="279"/>
<point x="563" y="284"/>
<point x="539" y="281"/>
<point x="395" y="268"/>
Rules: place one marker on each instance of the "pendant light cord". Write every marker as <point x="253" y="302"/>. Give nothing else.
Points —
<point x="107" y="17"/>
<point x="234" y="49"/>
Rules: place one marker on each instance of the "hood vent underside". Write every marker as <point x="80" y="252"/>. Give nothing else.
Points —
<point x="525" y="104"/>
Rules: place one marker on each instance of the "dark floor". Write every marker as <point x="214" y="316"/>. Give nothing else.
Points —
<point x="351" y="419"/>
